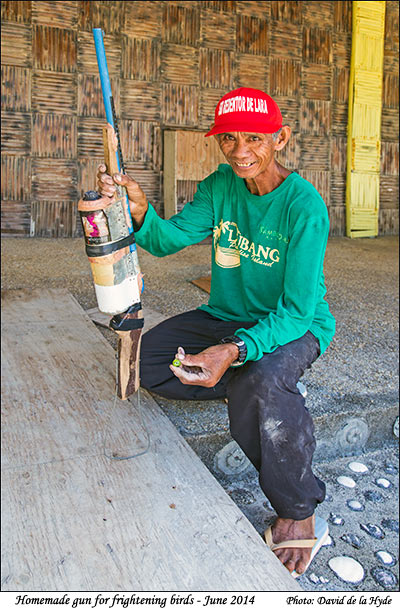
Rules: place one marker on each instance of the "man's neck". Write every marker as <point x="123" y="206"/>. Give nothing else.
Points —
<point x="267" y="181"/>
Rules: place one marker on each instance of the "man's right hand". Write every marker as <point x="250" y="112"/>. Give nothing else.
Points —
<point x="137" y="199"/>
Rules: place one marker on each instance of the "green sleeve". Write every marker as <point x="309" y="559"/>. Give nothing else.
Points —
<point x="195" y="222"/>
<point x="301" y="289"/>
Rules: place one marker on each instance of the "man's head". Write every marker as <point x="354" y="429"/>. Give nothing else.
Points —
<point x="248" y="127"/>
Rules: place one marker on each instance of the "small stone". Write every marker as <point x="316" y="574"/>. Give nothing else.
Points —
<point x="373" y="530"/>
<point x="391" y="469"/>
<point x="358" y="467"/>
<point x="384" y="577"/>
<point x="355" y="505"/>
<point x="324" y="579"/>
<point x="243" y="497"/>
<point x="386" y="558"/>
<point x="343" y="480"/>
<point x="373" y="496"/>
<point x="335" y="519"/>
<point x="352" y="540"/>
<point x="382" y="482"/>
<point x="328" y="498"/>
<point x="392" y="525"/>
<point x="347" y="569"/>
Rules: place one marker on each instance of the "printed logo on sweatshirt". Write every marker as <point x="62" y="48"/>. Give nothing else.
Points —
<point x="230" y="245"/>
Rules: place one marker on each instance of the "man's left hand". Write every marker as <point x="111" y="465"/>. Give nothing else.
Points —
<point x="207" y="367"/>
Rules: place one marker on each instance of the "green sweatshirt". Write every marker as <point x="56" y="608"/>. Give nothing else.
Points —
<point x="267" y="256"/>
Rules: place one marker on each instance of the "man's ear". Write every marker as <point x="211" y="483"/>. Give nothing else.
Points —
<point x="283" y="137"/>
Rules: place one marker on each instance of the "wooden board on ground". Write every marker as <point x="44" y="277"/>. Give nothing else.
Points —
<point x="74" y="519"/>
<point x="203" y="283"/>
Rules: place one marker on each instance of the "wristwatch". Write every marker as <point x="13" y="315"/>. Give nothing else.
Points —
<point x="234" y="339"/>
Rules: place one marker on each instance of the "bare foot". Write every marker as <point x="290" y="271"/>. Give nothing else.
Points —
<point x="293" y="558"/>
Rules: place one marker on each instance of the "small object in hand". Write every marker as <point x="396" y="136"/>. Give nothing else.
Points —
<point x="176" y="363"/>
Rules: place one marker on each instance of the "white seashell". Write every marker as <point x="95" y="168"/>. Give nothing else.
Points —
<point x="382" y="482"/>
<point x="355" y="505"/>
<point x="358" y="467"/>
<point x="346" y="481"/>
<point x="347" y="569"/>
<point x="385" y="558"/>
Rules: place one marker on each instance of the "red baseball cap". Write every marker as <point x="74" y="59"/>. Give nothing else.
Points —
<point x="246" y="110"/>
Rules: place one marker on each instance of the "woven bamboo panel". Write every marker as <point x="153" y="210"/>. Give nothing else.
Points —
<point x="180" y="24"/>
<point x="87" y="172"/>
<point x="149" y="180"/>
<point x="391" y="90"/>
<point x="342" y="15"/>
<point x="216" y="68"/>
<point x="290" y="155"/>
<point x="251" y="35"/>
<point x="340" y="91"/>
<point x="139" y="99"/>
<point x="143" y="19"/>
<point x="180" y="105"/>
<point x="315" y="152"/>
<point x="228" y="6"/>
<point x="109" y="16"/>
<point x="87" y="62"/>
<point x="251" y="71"/>
<point x="15" y="218"/>
<point x="388" y="191"/>
<point x="44" y="185"/>
<point x="15" y="88"/>
<point x="16" y="45"/>
<point x="338" y="190"/>
<point x="339" y="114"/>
<point x="180" y="64"/>
<point x="90" y="137"/>
<point x="53" y="92"/>
<point x="15" y="177"/>
<point x="208" y="100"/>
<point x="90" y="98"/>
<point x="389" y="221"/>
<point x="15" y="133"/>
<point x="53" y="49"/>
<point x="342" y="49"/>
<point x="321" y="181"/>
<point x="137" y="139"/>
<point x="338" y="154"/>
<point x="290" y="111"/>
<point x="318" y="13"/>
<point x="170" y="63"/>
<point x="54" y="219"/>
<point x="185" y="190"/>
<point x="337" y="220"/>
<point x="260" y="9"/>
<point x="63" y="14"/>
<point x="140" y="59"/>
<point x="317" y="45"/>
<point x="390" y="124"/>
<point x="317" y="82"/>
<point x="286" y="10"/>
<point x="21" y="12"/>
<point x="218" y="30"/>
<point x="315" y="116"/>
<point x="285" y="41"/>
<point x="284" y="76"/>
<point x="54" y="136"/>
<point x="390" y="158"/>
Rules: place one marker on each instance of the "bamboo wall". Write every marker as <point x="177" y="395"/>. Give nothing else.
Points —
<point x="170" y="62"/>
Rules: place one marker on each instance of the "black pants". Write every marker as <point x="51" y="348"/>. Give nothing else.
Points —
<point x="267" y="414"/>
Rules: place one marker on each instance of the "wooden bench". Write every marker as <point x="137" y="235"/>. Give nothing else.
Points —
<point x="75" y="520"/>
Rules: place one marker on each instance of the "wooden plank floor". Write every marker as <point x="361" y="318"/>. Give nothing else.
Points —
<point x="74" y="520"/>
